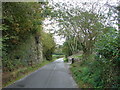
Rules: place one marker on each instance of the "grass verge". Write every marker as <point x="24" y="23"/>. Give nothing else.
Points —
<point x="78" y="73"/>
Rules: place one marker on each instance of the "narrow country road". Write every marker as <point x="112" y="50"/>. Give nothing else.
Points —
<point x="53" y="75"/>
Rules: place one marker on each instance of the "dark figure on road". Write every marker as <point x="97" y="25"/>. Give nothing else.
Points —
<point x="72" y="60"/>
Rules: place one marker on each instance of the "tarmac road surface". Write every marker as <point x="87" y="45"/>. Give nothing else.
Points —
<point x="53" y="75"/>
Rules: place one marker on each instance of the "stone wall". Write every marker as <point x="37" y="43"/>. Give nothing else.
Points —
<point x="28" y="53"/>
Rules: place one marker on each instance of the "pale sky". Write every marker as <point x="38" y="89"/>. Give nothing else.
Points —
<point x="60" y="40"/>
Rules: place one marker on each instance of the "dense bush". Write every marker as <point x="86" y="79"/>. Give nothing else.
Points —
<point x="101" y="70"/>
<point x="23" y="34"/>
<point x="48" y="45"/>
<point x="108" y="57"/>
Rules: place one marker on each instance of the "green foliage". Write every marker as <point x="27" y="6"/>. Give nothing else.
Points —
<point x="57" y="56"/>
<point x="23" y="34"/>
<point x="71" y="47"/>
<point x="101" y="70"/>
<point x="19" y="20"/>
<point x="66" y="49"/>
<point x="108" y="54"/>
<point x="79" y="26"/>
<point x="48" y="45"/>
<point x="108" y="47"/>
<point x="58" y="49"/>
<point x="17" y="28"/>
